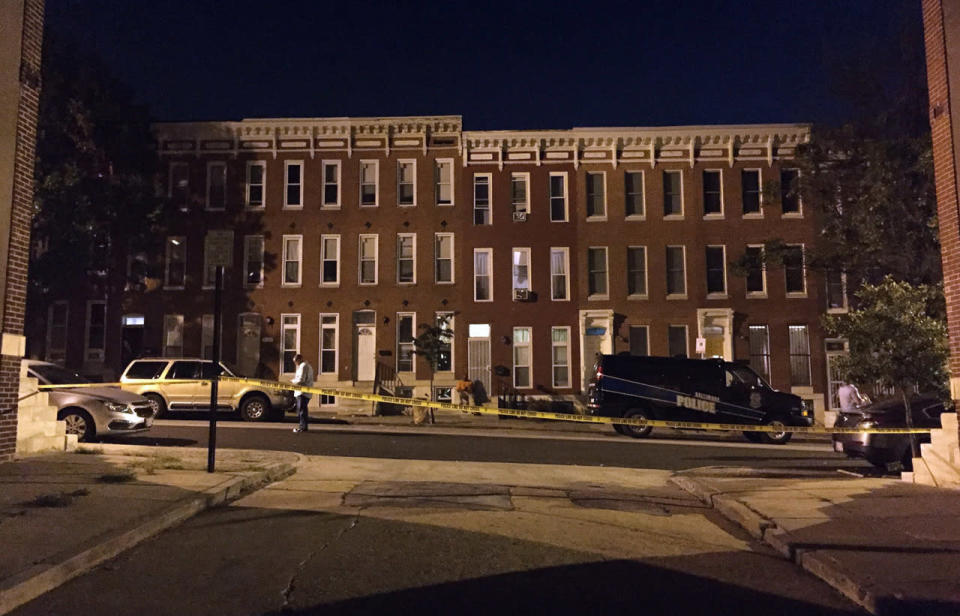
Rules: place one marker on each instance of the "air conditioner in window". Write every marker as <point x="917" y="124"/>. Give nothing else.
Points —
<point x="519" y="216"/>
<point x="521" y="295"/>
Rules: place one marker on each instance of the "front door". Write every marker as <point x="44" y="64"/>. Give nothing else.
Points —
<point x="366" y="345"/>
<point x="715" y="326"/>
<point x="248" y="344"/>
<point x="478" y="366"/>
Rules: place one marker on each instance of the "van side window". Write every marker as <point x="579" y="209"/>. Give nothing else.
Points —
<point x="184" y="370"/>
<point x="146" y="370"/>
<point x="208" y="370"/>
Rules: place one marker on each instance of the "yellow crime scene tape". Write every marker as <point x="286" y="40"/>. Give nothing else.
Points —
<point x="463" y="408"/>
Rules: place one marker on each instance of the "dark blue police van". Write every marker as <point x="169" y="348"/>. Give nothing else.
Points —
<point x="697" y="390"/>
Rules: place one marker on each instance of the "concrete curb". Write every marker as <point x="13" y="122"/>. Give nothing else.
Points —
<point x="44" y="577"/>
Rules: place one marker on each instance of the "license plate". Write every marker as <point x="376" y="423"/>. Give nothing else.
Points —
<point x="838" y="446"/>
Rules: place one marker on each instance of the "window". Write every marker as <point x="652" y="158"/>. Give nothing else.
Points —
<point x="560" y="342"/>
<point x="146" y="370"/>
<point x="521" y="357"/>
<point x="799" y="356"/>
<point x="633" y="194"/>
<point x="637" y="271"/>
<point x="712" y="193"/>
<point x="443" y="181"/>
<point x="256" y="183"/>
<point x="216" y="185"/>
<point x="253" y="260"/>
<point x="597" y="271"/>
<point x="672" y="193"/>
<point x="95" y="334"/>
<point x="482" y="274"/>
<point x="596" y="195"/>
<point x="291" y="259"/>
<point x="756" y="271"/>
<point x="369" y="249"/>
<point x="481" y="199"/>
<point x="639" y="340"/>
<point x="293" y="184"/>
<point x="443" y="258"/>
<point x="836" y="290"/>
<point x="559" y="268"/>
<point x="173" y="335"/>
<point x="750" y="187"/>
<point x="57" y="321"/>
<point x="716" y="270"/>
<point x="558" y="197"/>
<point x="369" y="178"/>
<point x="519" y="192"/>
<point x="676" y="271"/>
<point x="179" y="185"/>
<point x="209" y="254"/>
<point x="405" y="321"/>
<point x="407" y="258"/>
<point x="329" y="333"/>
<point x="206" y="337"/>
<point x="330" y="260"/>
<point x="406" y="182"/>
<point x="793" y="270"/>
<point x="445" y="359"/>
<point x="176" y="267"/>
<point x="790" y="190"/>
<point x="677" y="340"/>
<point x="760" y="350"/>
<point x="331" y="184"/>
<point x="289" y="342"/>
<point x="521" y="268"/>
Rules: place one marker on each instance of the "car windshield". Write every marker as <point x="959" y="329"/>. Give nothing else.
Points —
<point x="55" y="375"/>
<point x="746" y="375"/>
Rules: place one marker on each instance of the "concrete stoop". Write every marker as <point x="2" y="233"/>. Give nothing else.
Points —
<point x="38" y="429"/>
<point x="939" y="461"/>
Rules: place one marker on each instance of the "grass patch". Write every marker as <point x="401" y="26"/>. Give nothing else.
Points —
<point x="120" y="477"/>
<point x="88" y="451"/>
<point x="58" y="499"/>
<point x="150" y="466"/>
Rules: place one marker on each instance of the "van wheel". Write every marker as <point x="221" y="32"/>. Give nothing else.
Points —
<point x="159" y="406"/>
<point x="753" y="437"/>
<point x="255" y="408"/>
<point x="80" y="423"/>
<point x="775" y="438"/>
<point x="636" y="431"/>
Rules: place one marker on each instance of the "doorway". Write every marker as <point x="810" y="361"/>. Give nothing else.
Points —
<point x="715" y="325"/>
<point x="131" y="338"/>
<point x="365" y="344"/>
<point x="248" y="343"/>
<point x="596" y="338"/>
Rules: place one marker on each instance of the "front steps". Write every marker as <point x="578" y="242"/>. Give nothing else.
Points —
<point x="38" y="429"/>
<point x="939" y="461"/>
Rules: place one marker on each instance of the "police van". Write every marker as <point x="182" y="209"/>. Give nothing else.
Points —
<point x="694" y="390"/>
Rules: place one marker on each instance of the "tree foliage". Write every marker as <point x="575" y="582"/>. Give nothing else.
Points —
<point x="432" y="343"/>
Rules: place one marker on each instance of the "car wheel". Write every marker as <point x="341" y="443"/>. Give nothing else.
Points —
<point x="255" y="408"/>
<point x="80" y="423"/>
<point x="159" y="406"/>
<point x="636" y="431"/>
<point x="776" y="438"/>
<point x="753" y="437"/>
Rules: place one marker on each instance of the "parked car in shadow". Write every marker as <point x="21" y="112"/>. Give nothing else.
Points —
<point x="888" y="450"/>
<point x="92" y="412"/>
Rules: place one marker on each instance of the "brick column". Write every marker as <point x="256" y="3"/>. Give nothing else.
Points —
<point x="18" y="109"/>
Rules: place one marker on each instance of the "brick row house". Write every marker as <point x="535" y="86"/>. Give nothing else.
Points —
<point x="538" y="249"/>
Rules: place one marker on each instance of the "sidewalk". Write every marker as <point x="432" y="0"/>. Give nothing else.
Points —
<point x="891" y="547"/>
<point x="62" y="514"/>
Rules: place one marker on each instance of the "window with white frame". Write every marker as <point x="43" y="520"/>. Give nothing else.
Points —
<point x="206" y="337"/>
<point x="793" y="269"/>
<point x="756" y="270"/>
<point x="329" y="334"/>
<point x="677" y="340"/>
<point x="445" y="358"/>
<point x="558" y="197"/>
<point x="405" y="336"/>
<point x="520" y="192"/>
<point x="179" y="185"/>
<point x="799" y="356"/>
<point x="750" y="191"/>
<point x="673" y="193"/>
<point x="175" y="272"/>
<point x="483" y="274"/>
<point x="369" y="180"/>
<point x="406" y="258"/>
<point x="216" y="185"/>
<point x="559" y="270"/>
<point x="522" y="355"/>
<point x="560" y="342"/>
<point x="790" y="191"/>
<point x="443" y="258"/>
<point x="293" y="184"/>
<point x="253" y="260"/>
<point x="637" y="271"/>
<point x="481" y="199"/>
<point x="368" y="258"/>
<point x="596" y="195"/>
<point x="597" y="271"/>
<point x="330" y="260"/>
<point x="676" y="271"/>
<point x="443" y="181"/>
<point x="256" y="183"/>
<point x="406" y="182"/>
<point x="289" y="342"/>
<point x="57" y="321"/>
<point x="639" y="340"/>
<point x="759" y="340"/>
<point x="173" y="335"/>
<point x="716" y="257"/>
<point x="712" y="192"/>
<point x="292" y="259"/>
<point x="331" y="184"/>
<point x="95" y="334"/>
<point x="521" y="268"/>
<point x="633" y="194"/>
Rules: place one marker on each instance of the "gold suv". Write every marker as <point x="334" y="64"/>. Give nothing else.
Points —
<point x="146" y="377"/>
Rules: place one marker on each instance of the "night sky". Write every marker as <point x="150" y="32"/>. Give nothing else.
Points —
<point x="513" y="65"/>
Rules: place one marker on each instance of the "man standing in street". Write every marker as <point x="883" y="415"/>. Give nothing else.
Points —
<point x="304" y="378"/>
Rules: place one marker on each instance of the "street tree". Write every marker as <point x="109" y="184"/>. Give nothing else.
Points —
<point x="897" y="340"/>
<point x="433" y="346"/>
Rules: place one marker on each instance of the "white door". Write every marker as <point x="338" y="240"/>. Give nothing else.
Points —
<point x="248" y="343"/>
<point x="478" y="363"/>
<point x="366" y="345"/>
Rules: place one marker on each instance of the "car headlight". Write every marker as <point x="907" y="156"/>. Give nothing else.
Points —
<point x="117" y="407"/>
<point x="866" y="425"/>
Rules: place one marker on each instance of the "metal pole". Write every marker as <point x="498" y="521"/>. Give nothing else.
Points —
<point x="214" y="385"/>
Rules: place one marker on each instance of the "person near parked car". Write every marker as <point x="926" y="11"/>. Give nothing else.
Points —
<point x="304" y="378"/>
<point x="850" y="397"/>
